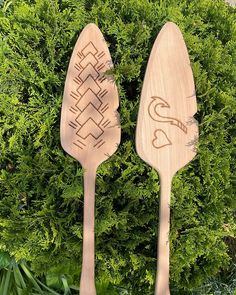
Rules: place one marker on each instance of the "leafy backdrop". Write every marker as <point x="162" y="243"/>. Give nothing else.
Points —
<point x="41" y="194"/>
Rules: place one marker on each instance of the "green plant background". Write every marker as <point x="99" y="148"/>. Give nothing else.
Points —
<point x="41" y="193"/>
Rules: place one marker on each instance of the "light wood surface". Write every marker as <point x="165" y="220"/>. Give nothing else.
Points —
<point x="90" y="129"/>
<point x="167" y="133"/>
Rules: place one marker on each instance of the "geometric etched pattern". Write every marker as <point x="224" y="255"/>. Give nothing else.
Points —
<point x="88" y="107"/>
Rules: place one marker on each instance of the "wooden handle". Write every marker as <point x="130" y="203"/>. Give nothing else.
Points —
<point x="87" y="281"/>
<point x="162" y="276"/>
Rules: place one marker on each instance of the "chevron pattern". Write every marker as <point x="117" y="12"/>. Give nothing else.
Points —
<point x="88" y="108"/>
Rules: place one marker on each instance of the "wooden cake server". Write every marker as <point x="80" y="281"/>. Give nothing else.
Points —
<point x="166" y="132"/>
<point x="90" y="130"/>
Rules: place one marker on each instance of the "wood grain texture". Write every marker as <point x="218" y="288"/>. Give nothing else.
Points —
<point x="90" y="129"/>
<point x="167" y="106"/>
<point x="167" y="132"/>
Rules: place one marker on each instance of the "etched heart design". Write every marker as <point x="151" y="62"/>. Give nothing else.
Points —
<point x="160" y="139"/>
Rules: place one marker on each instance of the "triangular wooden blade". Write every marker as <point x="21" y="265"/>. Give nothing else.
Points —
<point x="166" y="132"/>
<point x="90" y="130"/>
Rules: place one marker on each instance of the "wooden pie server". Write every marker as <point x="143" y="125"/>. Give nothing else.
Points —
<point x="166" y="132"/>
<point x="90" y="130"/>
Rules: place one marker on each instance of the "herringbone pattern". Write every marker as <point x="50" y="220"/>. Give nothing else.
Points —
<point x="89" y="108"/>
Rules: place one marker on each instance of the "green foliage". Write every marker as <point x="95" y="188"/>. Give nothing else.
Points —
<point x="17" y="279"/>
<point x="223" y="284"/>
<point x="41" y="195"/>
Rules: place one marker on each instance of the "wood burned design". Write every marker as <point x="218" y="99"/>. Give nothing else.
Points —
<point x="160" y="139"/>
<point x="88" y="108"/>
<point x="154" y="110"/>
